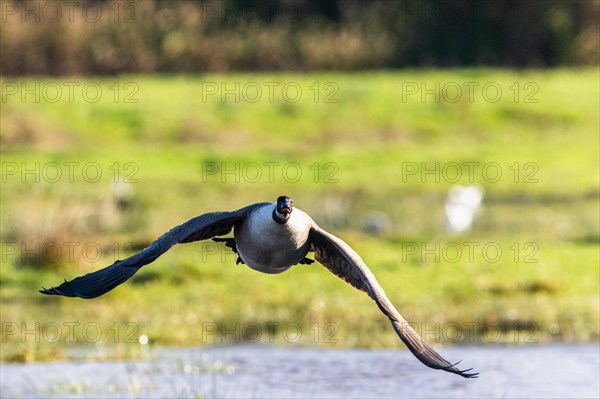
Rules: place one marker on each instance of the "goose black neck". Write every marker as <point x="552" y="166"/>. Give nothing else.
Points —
<point x="278" y="219"/>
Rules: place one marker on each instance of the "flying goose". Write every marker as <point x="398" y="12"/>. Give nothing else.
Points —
<point x="271" y="238"/>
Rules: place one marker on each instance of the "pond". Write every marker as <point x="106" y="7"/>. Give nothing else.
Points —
<point x="262" y="371"/>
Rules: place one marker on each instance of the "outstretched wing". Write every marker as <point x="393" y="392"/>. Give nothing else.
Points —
<point x="101" y="281"/>
<point x="344" y="262"/>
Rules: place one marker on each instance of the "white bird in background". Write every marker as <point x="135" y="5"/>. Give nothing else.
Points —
<point x="461" y="207"/>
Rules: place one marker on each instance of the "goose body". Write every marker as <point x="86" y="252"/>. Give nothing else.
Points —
<point x="269" y="238"/>
<point x="271" y="247"/>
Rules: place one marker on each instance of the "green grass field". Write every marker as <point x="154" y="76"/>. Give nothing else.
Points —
<point x="349" y="148"/>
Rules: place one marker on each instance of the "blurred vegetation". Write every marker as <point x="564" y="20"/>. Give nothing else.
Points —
<point x="112" y="37"/>
<point x="352" y="151"/>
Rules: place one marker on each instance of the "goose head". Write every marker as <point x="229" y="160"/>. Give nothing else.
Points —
<point x="283" y="209"/>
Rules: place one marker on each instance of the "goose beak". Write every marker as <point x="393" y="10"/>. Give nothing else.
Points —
<point x="284" y="205"/>
<point x="286" y="210"/>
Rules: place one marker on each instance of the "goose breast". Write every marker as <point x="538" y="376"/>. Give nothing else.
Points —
<point x="270" y="247"/>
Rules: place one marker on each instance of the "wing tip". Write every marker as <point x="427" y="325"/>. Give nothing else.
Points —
<point x="51" y="291"/>
<point x="466" y="374"/>
<point x="463" y="373"/>
<point x="60" y="290"/>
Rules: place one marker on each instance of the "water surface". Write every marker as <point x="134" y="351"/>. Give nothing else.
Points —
<point x="259" y="371"/>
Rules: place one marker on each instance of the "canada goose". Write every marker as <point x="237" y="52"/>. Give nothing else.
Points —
<point x="268" y="237"/>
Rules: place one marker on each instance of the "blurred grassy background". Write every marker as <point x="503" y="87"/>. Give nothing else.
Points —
<point x="131" y="113"/>
<point x="547" y="291"/>
<point x="112" y="37"/>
